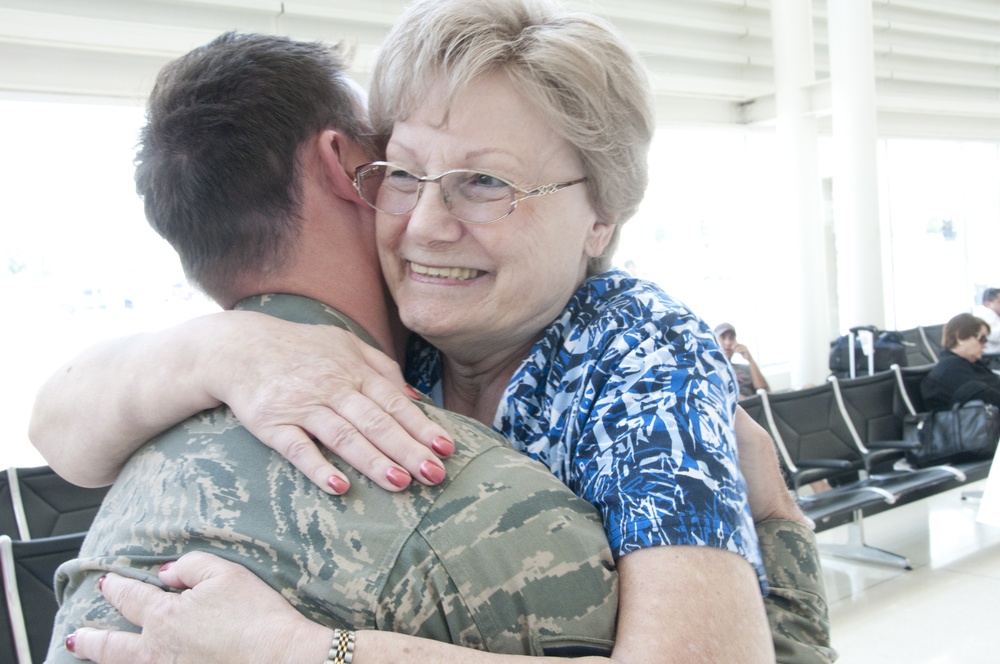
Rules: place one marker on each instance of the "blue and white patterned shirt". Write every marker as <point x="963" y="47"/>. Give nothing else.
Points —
<point x="629" y="400"/>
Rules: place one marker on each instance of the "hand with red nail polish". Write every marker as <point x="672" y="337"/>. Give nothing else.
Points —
<point x="226" y="615"/>
<point x="349" y="398"/>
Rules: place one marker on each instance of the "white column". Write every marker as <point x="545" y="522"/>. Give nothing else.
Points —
<point x="855" y="173"/>
<point x="800" y="193"/>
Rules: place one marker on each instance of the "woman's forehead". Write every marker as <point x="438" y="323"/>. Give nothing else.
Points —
<point x="490" y="116"/>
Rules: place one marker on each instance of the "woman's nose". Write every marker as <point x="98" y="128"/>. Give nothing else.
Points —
<point x="430" y="221"/>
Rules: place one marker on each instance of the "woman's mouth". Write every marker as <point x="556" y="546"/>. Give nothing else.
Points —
<point x="453" y="273"/>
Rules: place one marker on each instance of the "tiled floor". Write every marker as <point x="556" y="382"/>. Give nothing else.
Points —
<point x="946" y="610"/>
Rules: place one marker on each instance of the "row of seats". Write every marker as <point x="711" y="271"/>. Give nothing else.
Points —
<point x="849" y="432"/>
<point x="43" y="520"/>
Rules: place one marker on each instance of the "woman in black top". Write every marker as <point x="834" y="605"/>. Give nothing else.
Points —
<point x="959" y="375"/>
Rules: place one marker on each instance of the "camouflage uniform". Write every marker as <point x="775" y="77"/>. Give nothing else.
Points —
<point x="500" y="556"/>
<point x="796" y="606"/>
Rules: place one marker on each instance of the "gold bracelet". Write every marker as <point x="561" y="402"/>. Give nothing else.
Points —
<point x="342" y="648"/>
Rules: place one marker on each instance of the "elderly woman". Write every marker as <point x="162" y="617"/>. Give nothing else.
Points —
<point x="960" y="375"/>
<point x="516" y="147"/>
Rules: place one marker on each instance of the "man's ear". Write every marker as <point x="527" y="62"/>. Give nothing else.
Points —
<point x="340" y="156"/>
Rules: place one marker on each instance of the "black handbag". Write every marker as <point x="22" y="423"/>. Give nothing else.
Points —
<point x="968" y="431"/>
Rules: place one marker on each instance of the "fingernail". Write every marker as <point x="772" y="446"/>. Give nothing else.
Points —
<point x="413" y="394"/>
<point x="100" y="583"/>
<point x="432" y="472"/>
<point x="167" y="565"/>
<point x="443" y="446"/>
<point x="338" y="484"/>
<point x="398" y="477"/>
<point x="71" y="643"/>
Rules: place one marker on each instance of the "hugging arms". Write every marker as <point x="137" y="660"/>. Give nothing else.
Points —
<point x="494" y="216"/>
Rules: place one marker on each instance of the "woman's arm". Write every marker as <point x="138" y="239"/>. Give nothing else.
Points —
<point x="679" y="604"/>
<point x="287" y="383"/>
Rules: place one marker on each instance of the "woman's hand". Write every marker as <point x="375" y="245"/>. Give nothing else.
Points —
<point x="227" y="615"/>
<point x="290" y="383"/>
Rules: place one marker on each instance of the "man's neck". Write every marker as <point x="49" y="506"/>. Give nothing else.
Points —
<point x="358" y="296"/>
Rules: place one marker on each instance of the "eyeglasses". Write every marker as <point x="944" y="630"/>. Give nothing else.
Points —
<point x="471" y="196"/>
<point x="981" y="339"/>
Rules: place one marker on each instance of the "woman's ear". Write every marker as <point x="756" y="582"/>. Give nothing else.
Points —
<point x="340" y="156"/>
<point x="601" y="232"/>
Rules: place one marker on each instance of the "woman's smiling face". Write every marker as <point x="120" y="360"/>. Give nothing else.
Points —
<point x="475" y="290"/>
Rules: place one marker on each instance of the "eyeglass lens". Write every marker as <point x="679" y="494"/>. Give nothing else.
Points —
<point x="469" y="195"/>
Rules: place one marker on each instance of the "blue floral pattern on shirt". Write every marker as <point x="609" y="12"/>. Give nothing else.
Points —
<point x="629" y="400"/>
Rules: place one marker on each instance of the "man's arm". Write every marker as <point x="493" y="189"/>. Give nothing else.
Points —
<point x="288" y="383"/>
<point x="756" y="375"/>
<point x="796" y="606"/>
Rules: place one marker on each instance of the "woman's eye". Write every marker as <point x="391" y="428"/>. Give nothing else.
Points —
<point x="486" y="180"/>
<point x="399" y="174"/>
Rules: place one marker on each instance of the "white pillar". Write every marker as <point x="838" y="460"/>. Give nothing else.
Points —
<point x="855" y="173"/>
<point x="800" y="197"/>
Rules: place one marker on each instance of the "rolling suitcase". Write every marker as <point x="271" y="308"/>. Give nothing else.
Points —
<point x="865" y="349"/>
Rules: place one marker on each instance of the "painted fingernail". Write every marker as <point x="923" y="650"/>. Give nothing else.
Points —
<point x="167" y="565"/>
<point x="71" y="643"/>
<point x="398" y="477"/>
<point x="413" y="394"/>
<point x="443" y="446"/>
<point x="338" y="484"/>
<point x="100" y="583"/>
<point x="432" y="472"/>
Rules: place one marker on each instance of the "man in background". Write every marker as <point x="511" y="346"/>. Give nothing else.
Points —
<point x="748" y="373"/>
<point x="989" y="311"/>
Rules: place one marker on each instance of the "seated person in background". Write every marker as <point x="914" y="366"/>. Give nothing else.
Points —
<point x="989" y="311"/>
<point x="748" y="374"/>
<point x="960" y="375"/>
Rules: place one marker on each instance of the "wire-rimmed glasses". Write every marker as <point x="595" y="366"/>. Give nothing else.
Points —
<point x="471" y="196"/>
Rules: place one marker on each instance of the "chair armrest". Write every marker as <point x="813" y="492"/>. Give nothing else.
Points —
<point x="832" y="464"/>
<point x="893" y="445"/>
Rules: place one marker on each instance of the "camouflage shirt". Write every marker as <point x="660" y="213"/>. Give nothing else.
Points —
<point x="501" y="556"/>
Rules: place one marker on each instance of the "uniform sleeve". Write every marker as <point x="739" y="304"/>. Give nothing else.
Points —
<point x="796" y="606"/>
<point x="81" y="603"/>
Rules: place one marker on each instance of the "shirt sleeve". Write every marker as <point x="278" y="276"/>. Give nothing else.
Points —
<point x="657" y="454"/>
<point x="796" y="607"/>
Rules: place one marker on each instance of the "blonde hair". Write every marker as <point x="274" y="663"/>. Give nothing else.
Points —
<point x="573" y="66"/>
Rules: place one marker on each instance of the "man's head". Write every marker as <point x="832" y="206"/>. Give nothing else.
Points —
<point x="726" y="334"/>
<point x="218" y="164"/>
<point x="991" y="299"/>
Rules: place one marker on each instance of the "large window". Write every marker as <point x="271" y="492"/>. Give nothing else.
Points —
<point x="80" y="264"/>
<point x="703" y="233"/>
<point x="944" y="214"/>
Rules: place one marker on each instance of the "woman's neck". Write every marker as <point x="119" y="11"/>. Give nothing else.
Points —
<point x="965" y="354"/>
<point x="475" y="389"/>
